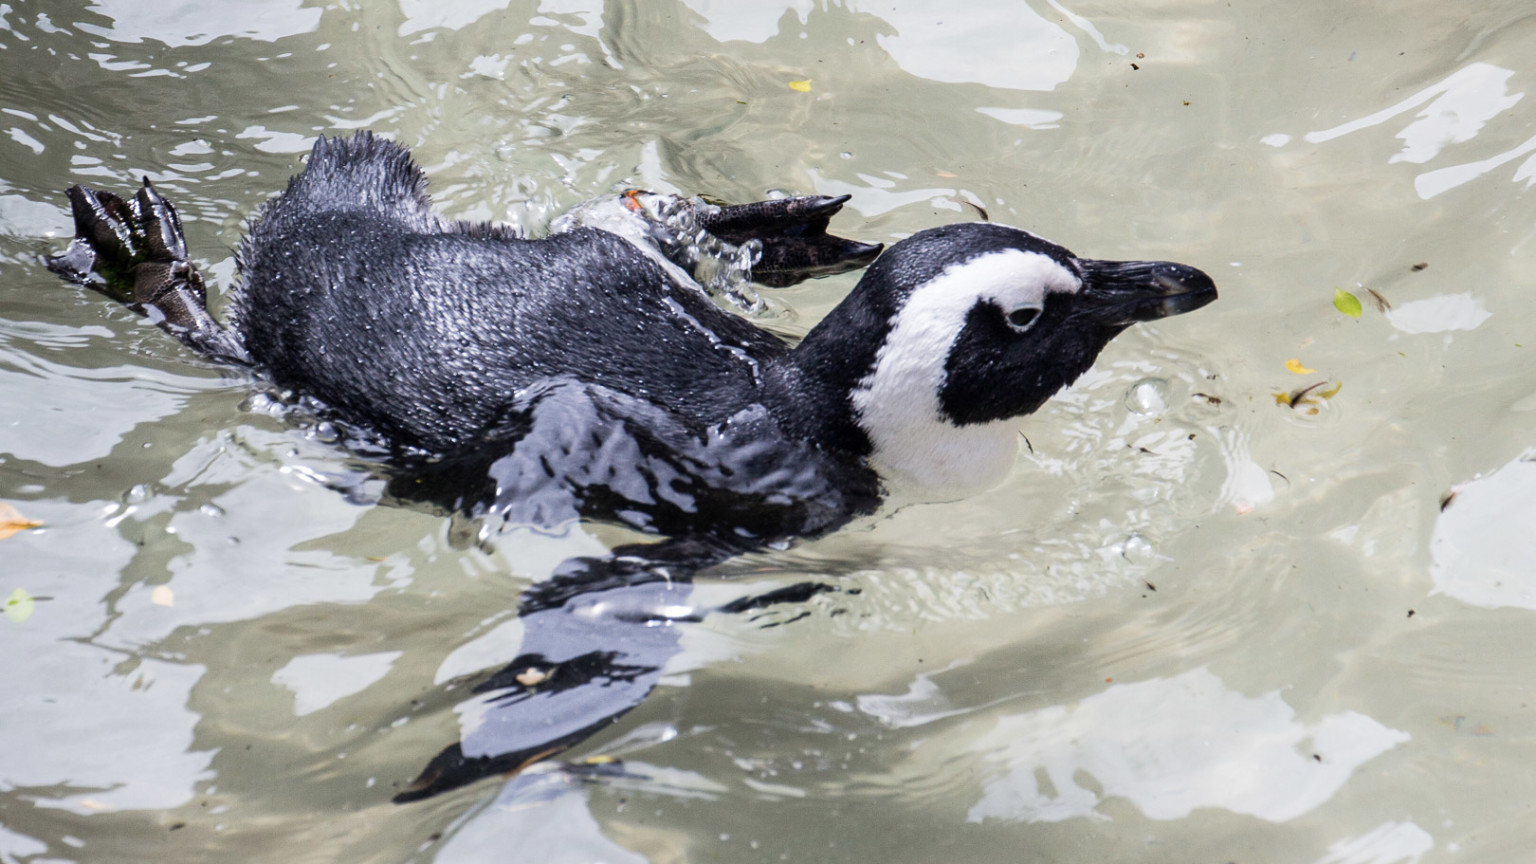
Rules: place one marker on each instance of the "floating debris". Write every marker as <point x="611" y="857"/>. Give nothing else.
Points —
<point x="12" y="522"/>
<point x="531" y="676"/>
<point x="980" y="210"/>
<point x="20" y="606"/>
<point x="1308" y="399"/>
<point x="1347" y="303"/>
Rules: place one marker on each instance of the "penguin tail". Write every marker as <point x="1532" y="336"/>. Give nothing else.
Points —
<point x="360" y="171"/>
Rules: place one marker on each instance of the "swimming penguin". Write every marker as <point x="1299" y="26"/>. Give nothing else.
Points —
<point x="589" y="373"/>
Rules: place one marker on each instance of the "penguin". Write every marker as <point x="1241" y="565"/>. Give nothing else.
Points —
<point x="607" y="371"/>
<point x="590" y="372"/>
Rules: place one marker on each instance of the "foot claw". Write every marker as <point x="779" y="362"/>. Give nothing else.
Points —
<point x="161" y="226"/>
<point x="138" y="248"/>
<point x="104" y="221"/>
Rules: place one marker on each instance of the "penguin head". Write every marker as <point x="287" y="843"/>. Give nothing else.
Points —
<point x="957" y="330"/>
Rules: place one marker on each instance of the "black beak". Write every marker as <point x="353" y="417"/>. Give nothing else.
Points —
<point x="1122" y="293"/>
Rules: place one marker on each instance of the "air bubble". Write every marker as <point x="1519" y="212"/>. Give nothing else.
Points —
<point x="1147" y="397"/>
<point x="1138" y="550"/>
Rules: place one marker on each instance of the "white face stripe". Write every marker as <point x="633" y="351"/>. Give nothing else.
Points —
<point x="897" y="404"/>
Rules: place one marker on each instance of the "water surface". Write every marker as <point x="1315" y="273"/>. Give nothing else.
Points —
<point x="1193" y="624"/>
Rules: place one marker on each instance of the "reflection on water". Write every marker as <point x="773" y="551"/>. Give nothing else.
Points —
<point x="65" y="681"/>
<point x="199" y="22"/>
<point x="93" y="408"/>
<point x="1391" y="843"/>
<point x="1484" y="550"/>
<point x="1010" y="47"/>
<point x="1440" y="314"/>
<point x="547" y="813"/>
<point x="1171" y="746"/>
<point x="242" y="570"/>
<point x="1006" y="47"/>
<point x="1455" y="110"/>
<point x="228" y="661"/>
<point x="1461" y="105"/>
<point x="319" y="680"/>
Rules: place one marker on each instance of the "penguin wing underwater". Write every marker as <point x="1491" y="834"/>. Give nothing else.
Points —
<point x="589" y="374"/>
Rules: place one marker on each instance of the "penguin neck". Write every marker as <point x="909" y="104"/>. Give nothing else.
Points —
<point x="808" y="390"/>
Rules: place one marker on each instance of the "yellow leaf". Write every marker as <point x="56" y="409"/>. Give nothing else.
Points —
<point x="11" y="521"/>
<point x="1294" y="365"/>
<point x="1310" y="395"/>
<point x="801" y="86"/>
<point x="19" y="606"/>
<point x="1346" y="302"/>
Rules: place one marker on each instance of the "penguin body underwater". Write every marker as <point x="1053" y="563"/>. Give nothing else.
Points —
<point x="589" y="373"/>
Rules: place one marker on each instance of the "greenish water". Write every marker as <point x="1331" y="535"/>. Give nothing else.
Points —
<point x="1192" y="625"/>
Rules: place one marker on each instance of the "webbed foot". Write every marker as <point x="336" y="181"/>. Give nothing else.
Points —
<point x="138" y="250"/>
<point x="788" y="235"/>
<point x="794" y="238"/>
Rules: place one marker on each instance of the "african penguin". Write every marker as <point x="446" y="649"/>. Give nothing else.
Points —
<point x="448" y="340"/>
<point x="979" y="324"/>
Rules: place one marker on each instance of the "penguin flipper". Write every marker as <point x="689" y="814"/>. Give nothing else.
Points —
<point x="138" y="250"/>
<point x="794" y="238"/>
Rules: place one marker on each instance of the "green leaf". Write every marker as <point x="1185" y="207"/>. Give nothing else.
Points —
<point x="20" y="605"/>
<point x="1346" y="302"/>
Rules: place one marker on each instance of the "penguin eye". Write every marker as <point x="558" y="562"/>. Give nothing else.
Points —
<point x="1020" y="319"/>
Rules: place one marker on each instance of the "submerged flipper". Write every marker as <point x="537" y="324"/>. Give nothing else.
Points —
<point x="137" y="248"/>
<point x="596" y="639"/>
<point x="793" y="234"/>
